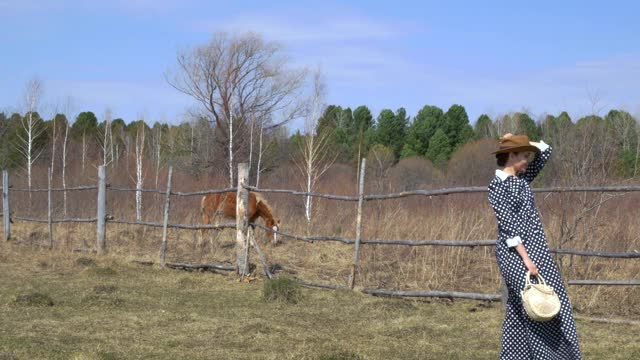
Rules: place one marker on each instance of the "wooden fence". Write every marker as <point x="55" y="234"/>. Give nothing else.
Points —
<point x="244" y="238"/>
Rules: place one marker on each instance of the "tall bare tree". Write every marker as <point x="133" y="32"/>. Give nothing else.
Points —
<point x="32" y="127"/>
<point x="65" y="142"/>
<point x="235" y="77"/>
<point x="314" y="157"/>
<point x="139" y="174"/>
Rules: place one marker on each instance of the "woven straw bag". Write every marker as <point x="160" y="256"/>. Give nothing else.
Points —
<point x="540" y="301"/>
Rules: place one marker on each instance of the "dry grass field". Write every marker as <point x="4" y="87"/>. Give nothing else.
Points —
<point x="110" y="308"/>
<point x="59" y="305"/>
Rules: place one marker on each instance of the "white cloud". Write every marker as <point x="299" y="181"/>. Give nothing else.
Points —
<point x="311" y="25"/>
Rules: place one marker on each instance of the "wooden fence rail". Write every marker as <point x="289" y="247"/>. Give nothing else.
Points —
<point x="448" y="191"/>
<point x="604" y="282"/>
<point x="76" y="188"/>
<point x="55" y="221"/>
<point x="466" y="243"/>
<point x="174" y="226"/>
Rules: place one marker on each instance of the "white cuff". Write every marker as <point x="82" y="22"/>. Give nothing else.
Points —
<point x="542" y="146"/>
<point x="514" y="241"/>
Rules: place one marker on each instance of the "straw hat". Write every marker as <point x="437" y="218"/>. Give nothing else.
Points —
<point x="515" y="143"/>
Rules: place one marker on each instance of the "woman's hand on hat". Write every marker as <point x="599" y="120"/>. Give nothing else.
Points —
<point x="506" y="136"/>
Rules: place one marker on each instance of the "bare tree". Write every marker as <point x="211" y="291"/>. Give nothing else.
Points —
<point x="65" y="141"/>
<point x="314" y="157"/>
<point x="260" y="153"/>
<point x="32" y="127"/>
<point x="64" y="168"/>
<point x="54" y="138"/>
<point x="235" y="77"/>
<point x="106" y="140"/>
<point x="139" y="174"/>
<point x="157" y="143"/>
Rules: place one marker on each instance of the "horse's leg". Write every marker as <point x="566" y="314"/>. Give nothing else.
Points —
<point x="206" y="220"/>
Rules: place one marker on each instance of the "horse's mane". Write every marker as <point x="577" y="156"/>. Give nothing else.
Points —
<point x="261" y="199"/>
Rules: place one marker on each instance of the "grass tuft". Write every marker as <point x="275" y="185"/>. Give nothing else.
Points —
<point x="85" y="261"/>
<point x="342" y="355"/>
<point x="105" y="289"/>
<point x="282" y="289"/>
<point x="34" y="299"/>
<point x="100" y="271"/>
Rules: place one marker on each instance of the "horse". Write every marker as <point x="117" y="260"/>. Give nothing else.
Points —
<point x="225" y="204"/>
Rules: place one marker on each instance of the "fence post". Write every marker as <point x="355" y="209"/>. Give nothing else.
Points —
<point x="163" y="250"/>
<point x="356" y="251"/>
<point x="242" y="223"/>
<point x="101" y="215"/>
<point x="49" y="212"/>
<point x="6" y="213"/>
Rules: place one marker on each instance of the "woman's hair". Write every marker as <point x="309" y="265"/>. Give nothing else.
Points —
<point x="501" y="159"/>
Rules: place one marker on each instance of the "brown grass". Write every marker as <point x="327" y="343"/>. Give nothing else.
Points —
<point x="108" y="308"/>
<point x="571" y="221"/>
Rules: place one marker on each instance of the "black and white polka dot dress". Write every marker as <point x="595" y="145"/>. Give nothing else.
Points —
<point x="522" y="338"/>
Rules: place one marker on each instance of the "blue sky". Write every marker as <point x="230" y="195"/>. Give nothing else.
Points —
<point x="491" y="56"/>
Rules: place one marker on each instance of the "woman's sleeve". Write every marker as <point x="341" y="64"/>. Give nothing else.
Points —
<point x="538" y="162"/>
<point x="503" y="198"/>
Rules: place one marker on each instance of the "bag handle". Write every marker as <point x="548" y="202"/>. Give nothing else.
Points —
<point x="538" y="277"/>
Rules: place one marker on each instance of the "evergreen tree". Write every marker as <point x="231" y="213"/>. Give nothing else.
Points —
<point x="424" y="126"/>
<point x="439" y="148"/>
<point x="391" y="129"/>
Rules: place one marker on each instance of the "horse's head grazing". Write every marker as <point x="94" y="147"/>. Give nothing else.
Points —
<point x="275" y="226"/>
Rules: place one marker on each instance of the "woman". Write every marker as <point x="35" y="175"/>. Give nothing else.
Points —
<point x="522" y="247"/>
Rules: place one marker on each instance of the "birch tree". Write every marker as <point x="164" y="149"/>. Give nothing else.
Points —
<point x="32" y="128"/>
<point x="106" y="140"/>
<point x="314" y="157"/>
<point x="139" y="152"/>
<point x="65" y="141"/>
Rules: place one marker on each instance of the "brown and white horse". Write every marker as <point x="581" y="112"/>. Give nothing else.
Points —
<point x="225" y="204"/>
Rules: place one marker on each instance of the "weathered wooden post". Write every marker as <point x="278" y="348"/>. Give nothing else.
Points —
<point x="101" y="214"/>
<point x="242" y="221"/>
<point x="49" y="212"/>
<point x="263" y="260"/>
<point x="356" y="251"/>
<point x="6" y="213"/>
<point x="167" y="200"/>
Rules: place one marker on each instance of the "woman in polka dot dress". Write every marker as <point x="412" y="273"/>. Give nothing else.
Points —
<point x="522" y="247"/>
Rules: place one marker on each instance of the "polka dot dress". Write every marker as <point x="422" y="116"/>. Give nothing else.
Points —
<point x="522" y="338"/>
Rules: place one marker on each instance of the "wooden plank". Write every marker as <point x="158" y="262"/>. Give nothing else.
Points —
<point x="448" y="191"/>
<point x="605" y="282"/>
<point x="631" y="255"/>
<point x="55" y="221"/>
<point x="440" y="294"/>
<point x="174" y="265"/>
<point x="101" y="212"/>
<point x="608" y="321"/>
<point x="167" y="201"/>
<point x="49" y="209"/>
<point x="6" y="211"/>
<point x="263" y="260"/>
<point x="242" y="221"/>
<point x="174" y="226"/>
<point x="356" y="247"/>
